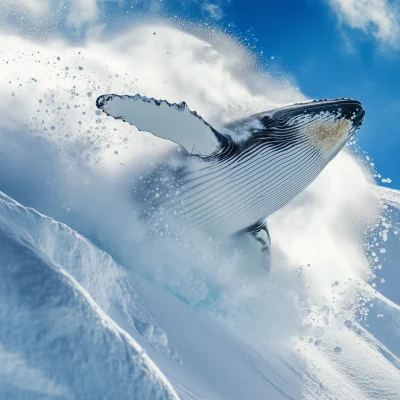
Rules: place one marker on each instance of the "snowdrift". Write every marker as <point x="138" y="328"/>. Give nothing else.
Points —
<point x="56" y="342"/>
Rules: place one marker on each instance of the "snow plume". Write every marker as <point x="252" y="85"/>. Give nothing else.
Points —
<point x="61" y="156"/>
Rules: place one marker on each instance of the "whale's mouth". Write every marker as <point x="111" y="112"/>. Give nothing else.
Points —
<point x="353" y="111"/>
<point x="358" y="119"/>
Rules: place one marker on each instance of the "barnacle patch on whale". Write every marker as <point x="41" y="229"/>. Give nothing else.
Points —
<point x="329" y="135"/>
<point x="325" y="131"/>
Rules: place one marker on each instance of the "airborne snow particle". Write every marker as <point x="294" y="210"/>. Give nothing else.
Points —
<point x="337" y="349"/>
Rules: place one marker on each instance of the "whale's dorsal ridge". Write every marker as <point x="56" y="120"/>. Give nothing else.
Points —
<point x="171" y="121"/>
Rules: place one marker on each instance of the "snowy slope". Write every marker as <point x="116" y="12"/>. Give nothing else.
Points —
<point x="55" y="341"/>
<point x="37" y="257"/>
<point x="51" y="277"/>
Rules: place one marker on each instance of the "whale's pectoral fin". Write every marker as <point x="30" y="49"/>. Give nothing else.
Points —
<point x="260" y="233"/>
<point x="255" y="244"/>
<point x="175" y="122"/>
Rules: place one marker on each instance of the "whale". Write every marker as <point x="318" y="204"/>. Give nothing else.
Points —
<point x="227" y="182"/>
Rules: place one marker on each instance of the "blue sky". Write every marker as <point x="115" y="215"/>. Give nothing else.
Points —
<point x="331" y="48"/>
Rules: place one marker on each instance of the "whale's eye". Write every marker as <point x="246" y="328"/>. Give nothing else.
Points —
<point x="266" y="119"/>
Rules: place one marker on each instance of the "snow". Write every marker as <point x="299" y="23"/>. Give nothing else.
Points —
<point x="92" y="308"/>
<point x="55" y="340"/>
<point x="200" y="356"/>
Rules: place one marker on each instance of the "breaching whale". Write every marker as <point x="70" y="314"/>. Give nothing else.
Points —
<point x="228" y="182"/>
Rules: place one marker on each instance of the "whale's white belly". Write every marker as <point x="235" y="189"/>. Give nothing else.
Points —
<point x="230" y="195"/>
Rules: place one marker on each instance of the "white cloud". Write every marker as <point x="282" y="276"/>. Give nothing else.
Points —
<point x="214" y="10"/>
<point x="28" y="6"/>
<point x="381" y="18"/>
<point x="45" y="17"/>
<point x="81" y="11"/>
<point x="39" y="12"/>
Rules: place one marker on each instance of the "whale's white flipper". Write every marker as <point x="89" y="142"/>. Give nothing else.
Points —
<point x="175" y="122"/>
